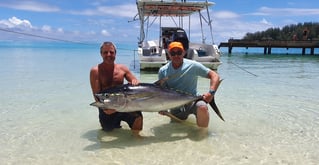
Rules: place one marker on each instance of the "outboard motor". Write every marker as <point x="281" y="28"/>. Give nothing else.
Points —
<point x="181" y="36"/>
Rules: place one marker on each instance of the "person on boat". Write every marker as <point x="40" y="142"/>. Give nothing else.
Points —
<point x="183" y="75"/>
<point x="108" y="74"/>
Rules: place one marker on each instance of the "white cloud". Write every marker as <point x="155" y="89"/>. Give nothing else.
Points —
<point x="225" y="15"/>
<point x="91" y="32"/>
<point x="30" y="6"/>
<point x="231" y="25"/>
<point x="105" y="33"/>
<point x="24" y="28"/>
<point x="264" y="21"/>
<point x="15" y="22"/>
<point x="225" y="29"/>
<point x="127" y="10"/>
<point x="60" y="30"/>
<point x="46" y="28"/>
<point x="76" y="32"/>
<point x="287" y="11"/>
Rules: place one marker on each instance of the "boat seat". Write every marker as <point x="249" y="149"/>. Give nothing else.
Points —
<point x="189" y="53"/>
<point x="152" y="51"/>
<point x="201" y="52"/>
<point x="146" y="52"/>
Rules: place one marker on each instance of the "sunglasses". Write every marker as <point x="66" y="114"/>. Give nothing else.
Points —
<point x="174" y="53"/>
<point x="106" y="52"/>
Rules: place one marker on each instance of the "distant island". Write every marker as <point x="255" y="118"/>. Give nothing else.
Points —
<point x="305" y="31"/>
<point x="304" y="36"/>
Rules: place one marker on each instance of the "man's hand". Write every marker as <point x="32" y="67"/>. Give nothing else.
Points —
<point x="207" y="97"/>
<point x="135" y="82"/>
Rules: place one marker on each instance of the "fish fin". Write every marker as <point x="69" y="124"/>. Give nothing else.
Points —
<point x="163" y="80"/>
<point x="214" y="106"/>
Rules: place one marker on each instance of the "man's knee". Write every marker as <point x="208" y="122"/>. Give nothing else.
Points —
<point x="202" y="110"/>
<point x="202" y="116"/>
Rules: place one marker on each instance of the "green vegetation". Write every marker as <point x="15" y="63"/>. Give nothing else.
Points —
<point x="305" y="31"/>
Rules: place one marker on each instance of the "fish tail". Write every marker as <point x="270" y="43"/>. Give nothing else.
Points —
<point x="215" y="108"/>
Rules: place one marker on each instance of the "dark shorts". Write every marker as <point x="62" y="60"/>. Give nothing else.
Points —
<point x="184" y="111"/>
<point x="109" y="122"/>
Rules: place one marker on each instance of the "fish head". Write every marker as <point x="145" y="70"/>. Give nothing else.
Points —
<point x="111" y="100"/>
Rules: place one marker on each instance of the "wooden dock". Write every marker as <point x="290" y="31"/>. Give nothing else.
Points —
<point x="269" y="44"/>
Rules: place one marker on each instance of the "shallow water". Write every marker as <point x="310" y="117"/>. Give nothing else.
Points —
<point x="271" y="118"/>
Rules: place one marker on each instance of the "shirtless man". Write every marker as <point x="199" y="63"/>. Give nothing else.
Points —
<point x="108" y="74"/>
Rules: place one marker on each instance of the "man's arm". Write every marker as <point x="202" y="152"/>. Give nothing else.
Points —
<point x="94" y="81"/>
<point x="214" y="80"/>
<point x="214" y="83"/>
<point x="95" y="86"/>
<point x="129" y="76"/>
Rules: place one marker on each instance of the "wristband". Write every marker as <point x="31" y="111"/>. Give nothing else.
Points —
<point x="212" y="92"/>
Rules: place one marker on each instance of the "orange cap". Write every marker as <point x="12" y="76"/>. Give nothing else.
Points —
<point x="175" y="45"/>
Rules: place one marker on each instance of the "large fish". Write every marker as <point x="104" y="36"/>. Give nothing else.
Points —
<point x="145" y="97"/>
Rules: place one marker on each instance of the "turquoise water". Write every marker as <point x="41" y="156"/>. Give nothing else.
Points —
<point x="270" y="104"/>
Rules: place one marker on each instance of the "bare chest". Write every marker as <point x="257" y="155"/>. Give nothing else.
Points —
<point x="108" y="79"/>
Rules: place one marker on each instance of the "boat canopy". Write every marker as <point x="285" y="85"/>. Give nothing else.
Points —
<point x="171" y="8"/>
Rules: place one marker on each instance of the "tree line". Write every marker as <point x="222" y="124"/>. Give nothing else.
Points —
<point x="305" y="31"/>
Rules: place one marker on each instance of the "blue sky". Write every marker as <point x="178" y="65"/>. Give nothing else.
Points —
<point x="101" y="20"/>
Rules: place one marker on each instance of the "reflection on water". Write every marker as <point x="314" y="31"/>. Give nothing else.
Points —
<point x="161" y="132"/>
<point x="269" y="119"/>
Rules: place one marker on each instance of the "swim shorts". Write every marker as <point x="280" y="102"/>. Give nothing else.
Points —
<point x="184" y="111"/>
<point x="109" y="122"/>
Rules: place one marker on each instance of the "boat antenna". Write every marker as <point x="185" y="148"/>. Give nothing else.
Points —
<point x="209" y="22"/>
<point x="201" y="26"/>
<point x="147" y="26"/>
<point x="189" y="27"/>
<point x="142" y="20"/>
<point x="160" y="33"/>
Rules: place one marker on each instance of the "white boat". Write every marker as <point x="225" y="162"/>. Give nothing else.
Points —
<point x="153" y="53"/>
